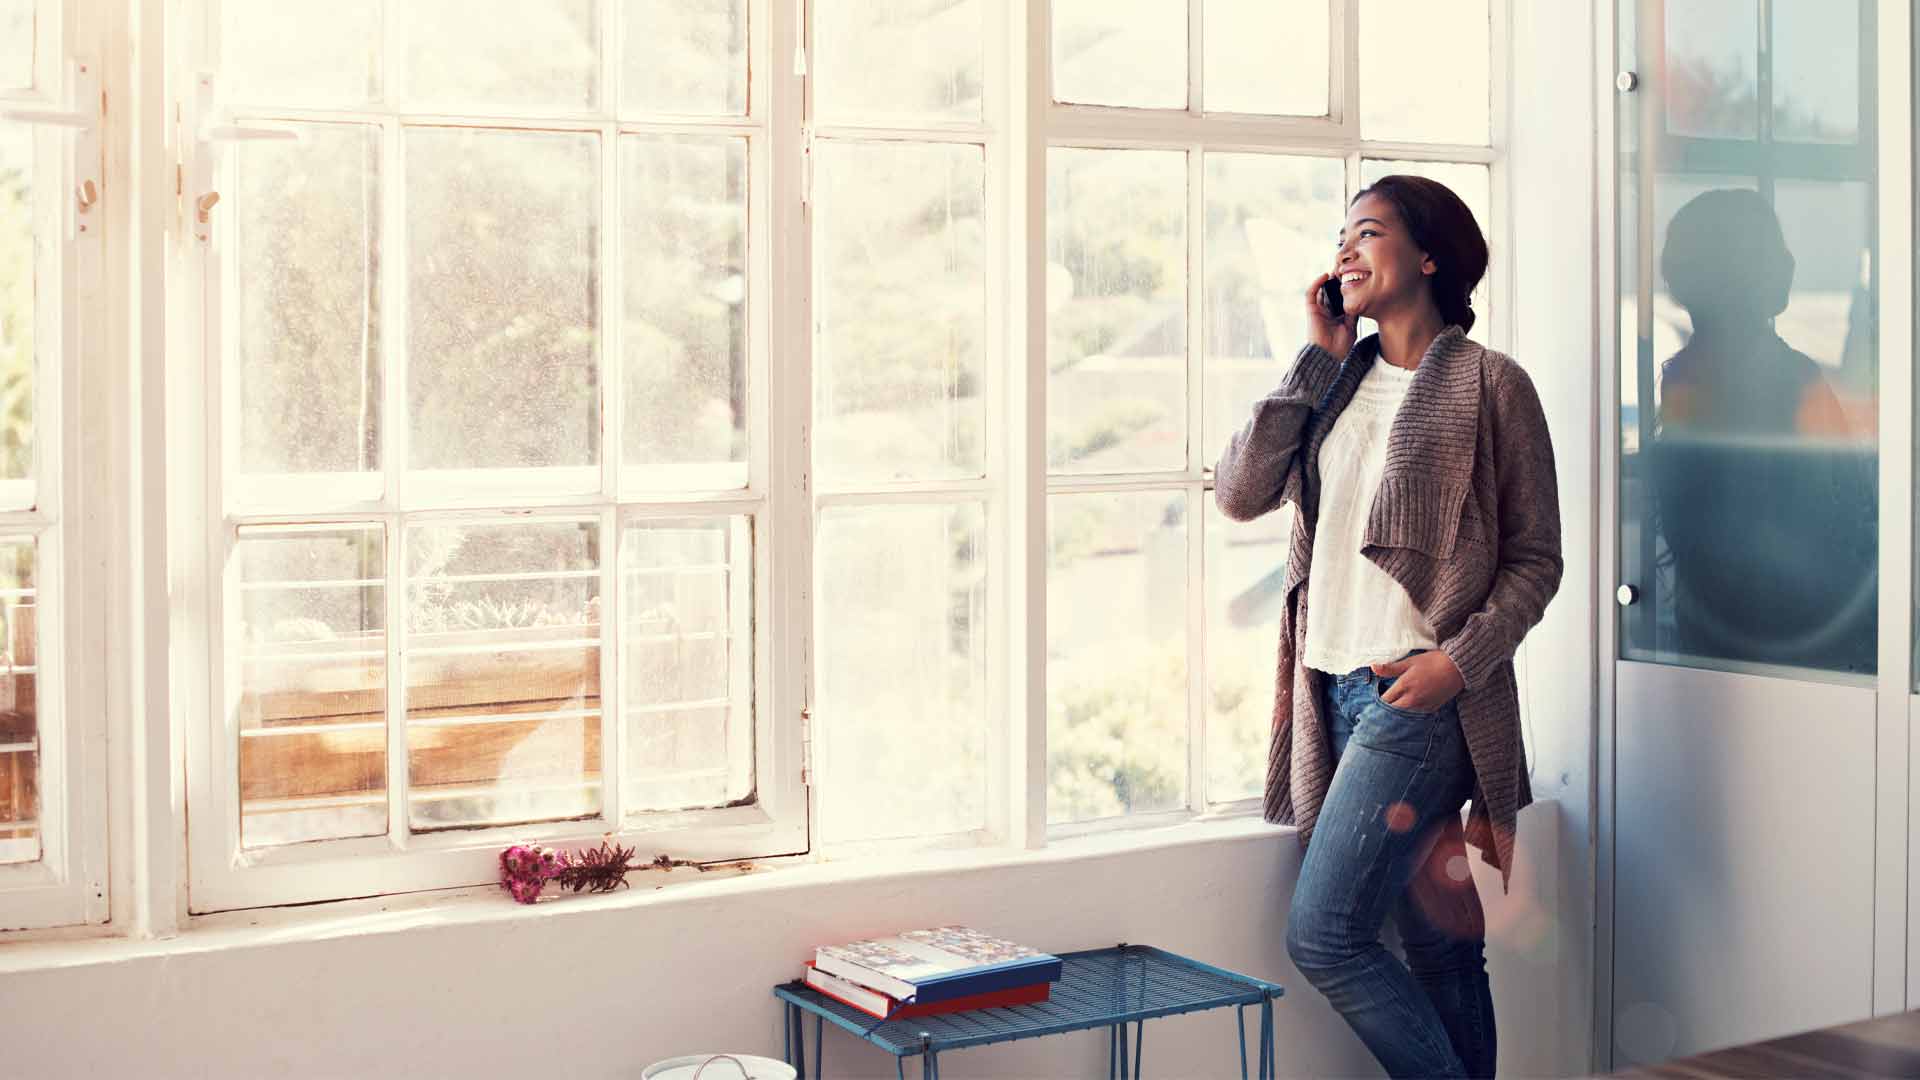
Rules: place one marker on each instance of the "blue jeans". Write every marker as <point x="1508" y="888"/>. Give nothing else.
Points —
<point x="1389" y="841"/>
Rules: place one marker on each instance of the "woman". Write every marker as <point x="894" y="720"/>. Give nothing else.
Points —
<point x="1426" y="542"/>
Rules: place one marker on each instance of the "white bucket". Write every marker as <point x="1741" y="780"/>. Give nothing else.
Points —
<point x="718" y="1067"/>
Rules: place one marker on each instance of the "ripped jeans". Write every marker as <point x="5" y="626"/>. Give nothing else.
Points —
<point x="1389" y="842"/>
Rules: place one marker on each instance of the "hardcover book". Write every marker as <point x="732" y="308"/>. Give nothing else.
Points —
<point x="945" y="962"/>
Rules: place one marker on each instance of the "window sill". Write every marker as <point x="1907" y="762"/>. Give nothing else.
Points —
<point x="649" y="888"/>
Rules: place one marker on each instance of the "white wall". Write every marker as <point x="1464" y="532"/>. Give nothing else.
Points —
<point x="598" y="987"/>
<point x="1551" y="218"/>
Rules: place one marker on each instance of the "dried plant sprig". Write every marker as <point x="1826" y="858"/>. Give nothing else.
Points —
<point x="525" y="871"/>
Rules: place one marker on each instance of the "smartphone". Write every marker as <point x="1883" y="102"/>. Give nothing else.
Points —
<point x="1330" y="296"/>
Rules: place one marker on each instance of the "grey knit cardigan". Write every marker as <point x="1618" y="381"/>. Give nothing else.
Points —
<point x="1467" y="520"/>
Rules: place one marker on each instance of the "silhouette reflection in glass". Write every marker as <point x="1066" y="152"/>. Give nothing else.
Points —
<point x="1767" y="494"/>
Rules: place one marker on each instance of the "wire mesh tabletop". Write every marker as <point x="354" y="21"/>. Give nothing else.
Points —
<point x="1098" y="988"/>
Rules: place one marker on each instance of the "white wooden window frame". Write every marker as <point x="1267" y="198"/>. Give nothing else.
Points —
<point x="1198" y="133"/>
<point x="1020" y="122"/>
<point x="68" y="885"/>
<point x="222" y="874"/>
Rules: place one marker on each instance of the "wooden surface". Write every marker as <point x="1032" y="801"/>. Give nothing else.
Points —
<point x="1888" y="1046"/>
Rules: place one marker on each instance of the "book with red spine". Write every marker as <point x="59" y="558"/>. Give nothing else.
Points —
<point x="880" y="1006"/>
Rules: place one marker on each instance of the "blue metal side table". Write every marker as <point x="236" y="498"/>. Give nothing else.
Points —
<point x="1099" y="988"/>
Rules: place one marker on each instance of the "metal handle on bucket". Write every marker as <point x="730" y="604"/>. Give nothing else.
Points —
<point x="718" y="1057"/>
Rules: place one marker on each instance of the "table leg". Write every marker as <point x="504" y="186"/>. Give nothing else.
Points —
<point x="929" y="1066"/>
<point x="1124" y="1056"/>
<point x="786" y="1033"/>
<point x="1139" y="1041"/>
<point x="1113" y="1053"/>
<point x="1268" y="1069"/>
<point x="797" y="1041"/>
<point x="1240" y="1023"/>
<point x="819" y="1047"/>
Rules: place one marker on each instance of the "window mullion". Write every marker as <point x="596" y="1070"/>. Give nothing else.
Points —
<point x="610" y="358"/>
<point x="394" y="437"/>
<point x="1196" y="450"/>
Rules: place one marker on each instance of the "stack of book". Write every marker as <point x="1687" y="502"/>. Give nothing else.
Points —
<point x="926" y="972"/>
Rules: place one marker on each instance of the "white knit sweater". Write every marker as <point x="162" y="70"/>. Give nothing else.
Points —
<point x="1363" y="616"/>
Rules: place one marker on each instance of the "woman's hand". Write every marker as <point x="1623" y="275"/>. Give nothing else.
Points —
<point x="1422" y="683"/>
<point x="1336" y="335"/>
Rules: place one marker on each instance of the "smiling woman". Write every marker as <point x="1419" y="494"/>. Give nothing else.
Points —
<point x="1433" y="547"/>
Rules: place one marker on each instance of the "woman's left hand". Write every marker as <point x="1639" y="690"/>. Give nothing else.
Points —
<point x="1421" y="683"/>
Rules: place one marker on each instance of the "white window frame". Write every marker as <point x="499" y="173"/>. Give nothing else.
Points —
<point x="1197" y="133"/>
<point x="1020" y="122"/>
<point x="68" y="884"/>
<point x="223" y="875"/>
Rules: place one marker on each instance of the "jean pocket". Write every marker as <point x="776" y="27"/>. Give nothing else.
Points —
<point x="1379" y="689"/>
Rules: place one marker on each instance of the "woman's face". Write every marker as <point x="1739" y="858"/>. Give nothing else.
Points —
<point x="1380" y="268"/>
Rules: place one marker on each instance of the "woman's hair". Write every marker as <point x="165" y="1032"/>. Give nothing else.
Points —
<point x="1443" y="227"/>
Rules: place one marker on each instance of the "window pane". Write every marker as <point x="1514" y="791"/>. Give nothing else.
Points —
<point x="1474" y="186"/>
<point x="301" y="50"/>
<point x="901" y="663"/>
<point x="914" y="61"/>
<point x="16" y="43"/>
<point x="499" y="52"/>
<point x="1816" y="70"/>
<point x="19" y="704"/>
<point x="1246" y="565"/>
<point x="1424" y="71"/>
<point x="685" y="57"/>
<point x="311" y="650"/>
<point x="19" y="271"/>
<point x="685" y="375"/>
<point x="1755" y="372"/>
<point x="901" y="310"/>
<point x="503" y="673"/>
<point x="1120" y="52"/>
<point x="1270" y="226"/>
<point x="1116" y="654"/>
<point x="687" y="634"/>
<point x="1267" y="56"/>
<point x="502" y="278"/>
<point x="1116" y="310"/>
<point x="1713" y="63"/>
<point x="306" y="228"/>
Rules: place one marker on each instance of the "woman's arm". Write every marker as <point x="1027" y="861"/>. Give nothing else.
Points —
<point x="1529" y="547"/>
<point x="1252" y="472"/>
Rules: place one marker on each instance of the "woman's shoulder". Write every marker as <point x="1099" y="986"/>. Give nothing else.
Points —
<point x="1501" y="376"/>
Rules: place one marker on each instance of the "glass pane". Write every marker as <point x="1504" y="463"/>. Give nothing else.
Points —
<point x="1408" y="92"/>
<point x="900" y="727"/>
<point x="687" y="642"/>
<point x="916" y="61"/>
<point x="1116" y="310"/>
<point x="1712" y="83"/>
<point x="20" y="835"/>
<point x="301" y="51"/>
<point x="686" y="57"/>
<point x="1816" y="70"/>
<point x="1120" y="52"/>
<point x="19" y="270"/>
<point x="307" y="337"/>
<point x="1270" y="223"/>
<point x="311" y="648"/>
<point x="499" y="52"/>
<point x="503" y="673"/>
<point x="901" y="311"/>
<point x="1474" y="185"/>
<point x="685" y="373"/>
<point x="1246" y="566"/>
<point x="16" y="43"/>
<point x="1752" y="369"/>
<point x="1116" y="654"/>
<point x="1267" y="56"/>
<point x="502" y="282"/>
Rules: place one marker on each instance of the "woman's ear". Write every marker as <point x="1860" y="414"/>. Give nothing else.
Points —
<point x="1427" y="266"/>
